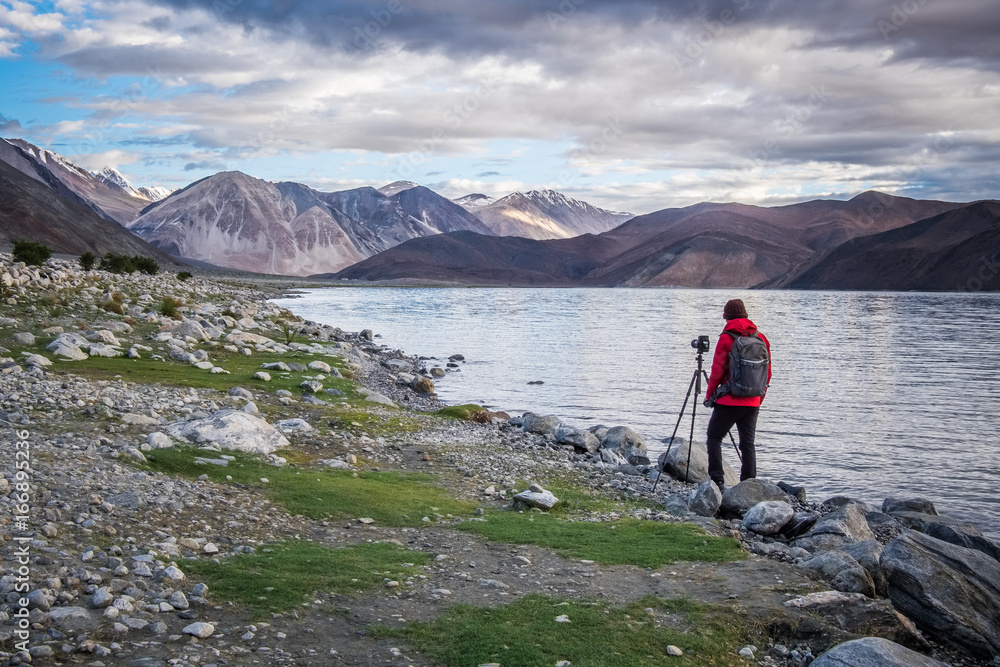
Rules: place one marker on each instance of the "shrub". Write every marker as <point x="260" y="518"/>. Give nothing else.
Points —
<point x="30" y="252"/>
<point x="145" y="264"/>
<point x="184" y="275"/>
<point x="168" y="307"/>
<point x="121" y="264"/>
<point x="116" y="304"/>
<point x="87" y="260"/>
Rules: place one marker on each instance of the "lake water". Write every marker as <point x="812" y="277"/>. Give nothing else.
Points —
<point x="874" y="394"/>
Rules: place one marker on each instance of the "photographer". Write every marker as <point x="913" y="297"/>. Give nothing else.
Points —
<point x="736" y="393"/>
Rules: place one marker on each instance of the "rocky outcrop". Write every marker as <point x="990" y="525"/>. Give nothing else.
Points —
<point x="737" y="500"/>
<point x="843" y="571"/>
<point x="845" y="525"/>
<point x="675" y="463"/>
<point x="950" y="592"/>
<point x="949" y="530"/>
<point x="540" y="424"/>
<point x="769" y="517"/>
<point x="860" y="615"/>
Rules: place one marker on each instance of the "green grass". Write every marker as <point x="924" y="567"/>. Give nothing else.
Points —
<point x="526" y="634"/>
<point x="392" y="499"/>
<point x="346" y="418"/>
<point x="240" y="367"/>
<point x="462" y="412"/>
<point x="282" y="576"/>
<point x="627" y="541"/>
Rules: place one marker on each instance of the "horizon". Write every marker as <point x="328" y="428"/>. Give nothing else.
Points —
<point x="630" y="106"/>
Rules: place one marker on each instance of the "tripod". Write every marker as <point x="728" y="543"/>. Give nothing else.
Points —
<point x="696" y="387"/>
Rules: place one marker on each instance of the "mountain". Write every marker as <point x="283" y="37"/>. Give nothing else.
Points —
<point x="956" y="250"/>
<point x="31" y="209"/>
<point x="115" y="180"/>
<point x="543" y="214"/>
<point x="396" y="187"/>
<point x="240" y="222"/>
<point x="705" y="245"/>
<point x="60" y="174"/>
<point x="474" y="201"/>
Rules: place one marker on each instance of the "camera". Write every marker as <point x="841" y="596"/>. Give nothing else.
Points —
<point x="701" y="343"/>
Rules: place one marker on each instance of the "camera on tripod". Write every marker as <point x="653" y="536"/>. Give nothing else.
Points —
<point x="701" y="343"/>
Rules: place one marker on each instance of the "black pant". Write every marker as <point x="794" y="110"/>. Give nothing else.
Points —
<point x="722" y="420"/>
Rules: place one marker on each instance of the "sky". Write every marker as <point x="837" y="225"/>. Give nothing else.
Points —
<point x="631" y="105"/>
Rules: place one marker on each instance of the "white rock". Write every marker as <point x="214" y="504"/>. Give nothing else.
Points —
<point x="158" y="440"/>
<point x="293" y="426"/>
<point x="261" y="375"/>
<point x="320" y="366"/>
<point x="232" y="429"/>
<point x="37" y="360"/>
<point x="102" y="350"/>
<point x="200" y="630"/>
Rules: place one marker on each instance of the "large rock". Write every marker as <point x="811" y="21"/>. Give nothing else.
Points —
<point x="67" y="346"/>
<point x="674" y="462"/>
<point x="769" y="517"/>
<point x="867" y="554"/>
<point x="541" y="424"/>
<point x="706" y="499"/>
<point x="623" y="439"/>
<point x="579" y="438"/>
<point x="843" y="526"/>
<point x="737" y="500"/>
<point x="843" y="572"/>
<point x="536" y="496"/>
<point x="188" y="329"/>
<point x="24" y="338"/>
<point x="232" y="429"/>
<point x="72" y="620"/>
<point x="876" y="652"/>
<point x="950" y="530"/>
<point x="860" y="615"/>
<point x="950" y="592"/>
<point x="892" y="505"/>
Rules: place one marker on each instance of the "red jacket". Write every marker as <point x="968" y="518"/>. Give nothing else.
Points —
<point x="720" y="363"/>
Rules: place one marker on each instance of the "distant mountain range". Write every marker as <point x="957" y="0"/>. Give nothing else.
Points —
<point x="404" y="232"/>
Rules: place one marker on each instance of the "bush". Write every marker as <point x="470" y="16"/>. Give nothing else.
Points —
<point x="87" y="260"/>
<point x="116" y="304"/>
<point x="184" y="275"/>
<point x="169" y="305"/>
<point x="31" y="252"/>
<point x="121" y="264"/>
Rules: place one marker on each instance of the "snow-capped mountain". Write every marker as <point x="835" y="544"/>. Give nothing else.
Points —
<point x="474" y="201"/>
<point x="154" y="193"/>
<point x="58" y="173"/>
<point x="240" y="222"/>
<point x="545" y="214"/>
<point x="396" y="187"/>
<point x="116" y="180"/>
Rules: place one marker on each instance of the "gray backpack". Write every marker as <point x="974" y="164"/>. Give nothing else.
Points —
<point x="749" y="362"/>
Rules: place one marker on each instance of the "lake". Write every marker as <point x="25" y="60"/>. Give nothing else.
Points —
<point x="874" y="394"/>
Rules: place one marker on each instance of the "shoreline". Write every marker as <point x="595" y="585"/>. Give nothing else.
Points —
<point x="87" y="427"/>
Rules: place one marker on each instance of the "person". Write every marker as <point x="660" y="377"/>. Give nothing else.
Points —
<point x="729" y="410"/>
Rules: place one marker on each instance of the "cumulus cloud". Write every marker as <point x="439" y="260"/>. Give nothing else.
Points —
<point x="9" y="126"/>
<point x="644" y="104"/>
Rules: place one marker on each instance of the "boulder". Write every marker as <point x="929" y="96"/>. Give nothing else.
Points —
<point x="262" y="376"/>
<point x="541" y="424"/>
<point x="867" y="554"/>
<point x="844" y="573"/>
<point x="800" y="524"/>
<point x="952" y="593"/>
<point x="67" y="346"/>
<point x="950" y="530"/>
<point x="187" y="329"/>
<point x="136" y="419"/>
<point x="874" y="651"/>
<point x="674" y="462"/>
<point x="623" y="439"/>
<point x="102" y="350"/>
<point x="320" y="366"/>
<point x="276" y="366"/>
<point x="843" y="526"/>
<point x="311" y="386"/>
<point x="240" y="392"/>
<point x="579" y="438"/>
<point x="231" y="429"/>
<point x="536" y="496"/>
<point x="72" y="620"/>
<point x="37" y="360"/>
<point x="706" y="499"/>
<point x="737" y="500"/>
<point x="423" y="385"/>
<point x="769" y="517"/>
<point x="103" y="336"/>
<point x="293" y="426"/>
<point x="23" y="338"/>
<point x="892" y="505"/>
<point x="612" y="456"/>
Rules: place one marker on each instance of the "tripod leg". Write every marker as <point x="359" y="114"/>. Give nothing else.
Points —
<point x="694" y="409"/>
<point x="680" y="416"/>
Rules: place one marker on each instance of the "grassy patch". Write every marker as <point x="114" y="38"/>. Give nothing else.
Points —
<point x="628" y="541"/>
<point x="462" y="412"/>
<point x="284" y="575"/>
<point x="357" y="422"/>
<point x="393" y="499"/>
<point x="240" y="367"/>
<point x="526" y="634"/>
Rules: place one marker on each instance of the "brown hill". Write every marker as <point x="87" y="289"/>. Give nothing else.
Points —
<point x="33" y="211"/>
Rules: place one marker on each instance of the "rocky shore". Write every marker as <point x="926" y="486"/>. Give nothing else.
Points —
<point x="94" y="545"/>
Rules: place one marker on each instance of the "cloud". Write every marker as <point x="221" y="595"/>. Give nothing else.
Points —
<point x="205" y="165"/>
<point x="434" y="173"/>
<point x="9" y="125"/>
<point x="487" y="174"/>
